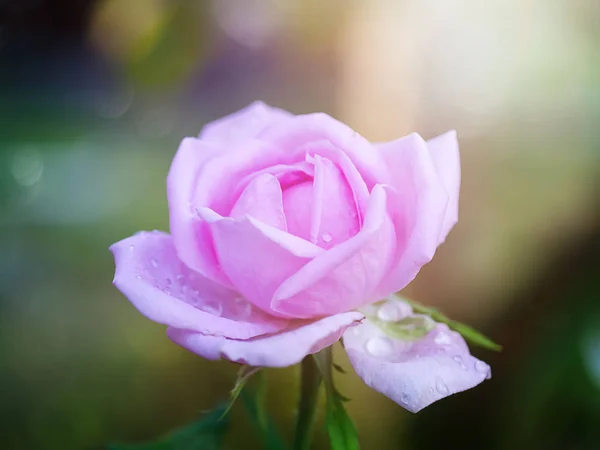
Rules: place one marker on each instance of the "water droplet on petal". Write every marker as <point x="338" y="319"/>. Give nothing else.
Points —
<point x="388" y="312"/>
<point x="131" y="247"/>
<point x="179" y="277"/>
<point x="327" y="238"/>
<point x="379" y="347"/>
<point x="404" y="398"/>
<point x="457" y="358"/>
<point x="214" y="308"/>
<point x="441" y="387"/>
<point x="168" y="281"/>
<point x="443" y="339"/>
<point x="481" y="367"/>
<point x="431" y="390"/>
<point x="154" y="262"/>
<point x="243" y="308"/>
<point x="138" y="276"/>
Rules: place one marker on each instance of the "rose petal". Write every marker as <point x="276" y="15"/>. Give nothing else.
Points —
<point x="345" y="276"/>
<point x="417" y="205"/>
<point x="277" y="350"/>
<point x="192" y="240"/>
<point x="334" y="212"/>
<point x="163" y="289"/>
<point x="262" y="199"/>
<point x="444" y="152"/>
<point x="257" y="257"/>
<point x="305" y="129"/>
<point x="246" y="123"/>
<point x="414" y="375"/>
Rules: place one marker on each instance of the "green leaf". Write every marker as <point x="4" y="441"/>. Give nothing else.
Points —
<point x="341" y="429"/>
<point x="206" y="433"/>
<point x="243" y="376"/>
<point x="255" y="404"/>
<point x="470" y="334"/>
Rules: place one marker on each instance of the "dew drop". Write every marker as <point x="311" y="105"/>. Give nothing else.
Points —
<point x="327" y="238"/>
<point x="138" y="276"/>
<point x="388" y="312"/>
<point x="216" y="309"/>
<point x="481" y="367"/>
<point x="443" y="339"/>
<point x="441" y="387"/>
<point x="404" y="398"/>
<point x="379" y="347"/>
<point x="179" y="277"/>
<point x="168" y="281"/>
<point x="131" y="247"/>
<point x="154" y="263"/>
<point x="243" y="308"/>
<point x="457" y="358"/>
<point x="431" y="390"/>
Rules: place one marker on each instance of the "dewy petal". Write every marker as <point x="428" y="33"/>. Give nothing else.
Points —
<point x="277" y="350"/>
<point x="192" y="240"/>
<point x="417" y="202"/>
<point x="335" y="217"/>
<point x="345" y="276"/>
<point x="246" y="123"/>
<point x="414" y="374"/>
<point x="445" y="155"/>
<point x="163" y="289"/>
<point x="262" y="199"/>
<point x="256" y="257"/>
<point x="308" y="128"/>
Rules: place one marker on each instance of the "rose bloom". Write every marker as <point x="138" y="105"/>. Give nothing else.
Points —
<point x="285" y="231"/>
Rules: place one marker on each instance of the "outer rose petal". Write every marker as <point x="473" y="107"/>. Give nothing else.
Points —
<point x="163" y="289"/>
<point x="414" y="375"/>
<point x="309" y="128"/>
<point x="444" y="152"/>
<point x="192" y="240"/>
<point x="417" y="204"/>
<point x="277" y="350"/>
<point x="246" y="123"/>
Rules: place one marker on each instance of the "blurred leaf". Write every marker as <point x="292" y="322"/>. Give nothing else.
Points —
<point x="243" y="376"/>
<point x="255" y="403"/>
<point x="170" y="49"/>
<point x="470" y="334"/>
<point x="341" y="429"/>
<point x="204" y="434"/>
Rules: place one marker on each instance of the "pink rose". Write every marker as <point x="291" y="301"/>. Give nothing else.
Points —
<point x="284" y="231"/>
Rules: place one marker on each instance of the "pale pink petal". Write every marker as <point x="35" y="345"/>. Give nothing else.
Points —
<point x="417" y="204"/>
<point x="297" y="206"/>
<point x="309" y="128"/>
<point x="163" y="289"/>
<point x="444" y="152"/>
<point x="414" y="374"/>
<point x="246" y="123"/>
<point x="277" y="350"/>
<point x="192" y="241"/>
<point x="262" y="199"/>
<point x="345" y="276"/>
<point x="335" y="216"/>
<point x="257" y="257"/>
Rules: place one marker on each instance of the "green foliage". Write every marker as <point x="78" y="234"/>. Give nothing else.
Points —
<point x="470" y="334"/>
<point x="341" y="429"/>
<point x="243" y="376"/>
<point x="255" y="403"/>
<point x="204" y="434"/>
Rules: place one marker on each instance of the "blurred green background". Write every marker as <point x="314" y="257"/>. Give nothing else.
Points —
<point x="94" y="99"/>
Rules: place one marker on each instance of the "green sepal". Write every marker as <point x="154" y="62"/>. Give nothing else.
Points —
<point x="470" y="334"/>
<point x="341" y="429"/>
<point x="243" y="376"/>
